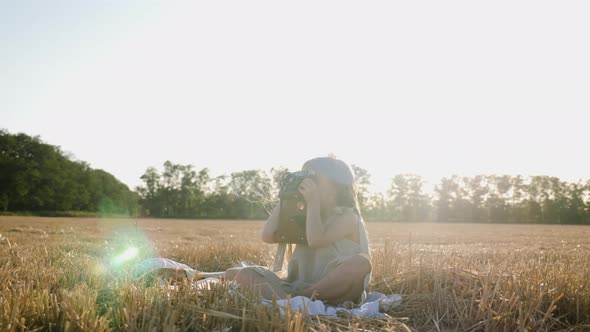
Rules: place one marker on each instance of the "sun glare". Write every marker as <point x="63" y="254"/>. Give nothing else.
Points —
<point x="127" y="255"/>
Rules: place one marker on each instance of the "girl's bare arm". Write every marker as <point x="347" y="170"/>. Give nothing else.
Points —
<point x="270" y="227"/>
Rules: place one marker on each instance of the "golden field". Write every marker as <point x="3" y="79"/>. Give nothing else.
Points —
<point x="63" y="274"/>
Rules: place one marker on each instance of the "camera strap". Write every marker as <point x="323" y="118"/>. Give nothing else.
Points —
<point x="279" y="257"/>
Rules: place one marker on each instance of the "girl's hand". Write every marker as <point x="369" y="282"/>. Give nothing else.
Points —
<point x="309" y="189"/>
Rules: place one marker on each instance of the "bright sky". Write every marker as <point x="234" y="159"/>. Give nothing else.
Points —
<point x="429" y="87"/>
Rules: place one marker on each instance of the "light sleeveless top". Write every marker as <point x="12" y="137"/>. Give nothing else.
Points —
<point x="308" y="265"/>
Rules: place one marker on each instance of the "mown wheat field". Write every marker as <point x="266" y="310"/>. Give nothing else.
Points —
<point x="68" y="274"/>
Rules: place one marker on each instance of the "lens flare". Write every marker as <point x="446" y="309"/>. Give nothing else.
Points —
<point x="127" y="255"/>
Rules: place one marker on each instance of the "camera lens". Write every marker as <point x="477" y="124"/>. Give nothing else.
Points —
<point x="300" y="205"/>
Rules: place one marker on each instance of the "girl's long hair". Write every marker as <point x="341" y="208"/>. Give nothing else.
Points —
<point x="346" y="195"/>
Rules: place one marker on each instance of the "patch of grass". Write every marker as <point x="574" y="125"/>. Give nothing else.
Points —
<point x="60" y="274"/>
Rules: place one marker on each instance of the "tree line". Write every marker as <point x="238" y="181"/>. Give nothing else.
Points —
<point x="484" y="199"/>
<point x="181" y="191"/>
<point x="40" y="178"/>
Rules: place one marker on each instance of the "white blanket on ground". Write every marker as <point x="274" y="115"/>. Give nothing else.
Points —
<point x="375" y="305"/>
<point x="153" y="264"/>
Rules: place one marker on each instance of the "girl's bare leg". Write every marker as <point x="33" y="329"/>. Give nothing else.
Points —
<point x="249" y="278"/>
<point x="344" y="283"/>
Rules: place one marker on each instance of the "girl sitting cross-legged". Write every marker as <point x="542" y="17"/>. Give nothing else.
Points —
<point x="335" y="265"/>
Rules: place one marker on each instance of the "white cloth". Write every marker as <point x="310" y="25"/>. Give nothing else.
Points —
<point x="153" y="264"/>
<point x="374" y="306"/>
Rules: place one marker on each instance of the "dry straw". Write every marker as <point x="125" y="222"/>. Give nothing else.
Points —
<point x="50" y="281"/>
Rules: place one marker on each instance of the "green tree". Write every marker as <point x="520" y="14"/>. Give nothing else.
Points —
<point x="251" y="190"/>
<point x="41" y="178"/>
<point x="444" y="198"/>
<point x="407" y="199"/>
<point x="363" y="181"/>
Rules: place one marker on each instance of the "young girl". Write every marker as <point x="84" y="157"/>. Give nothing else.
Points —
<point x="335" y="265"/>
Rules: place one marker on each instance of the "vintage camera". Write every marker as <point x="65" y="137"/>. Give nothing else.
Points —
<point x="293" y="209"/>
